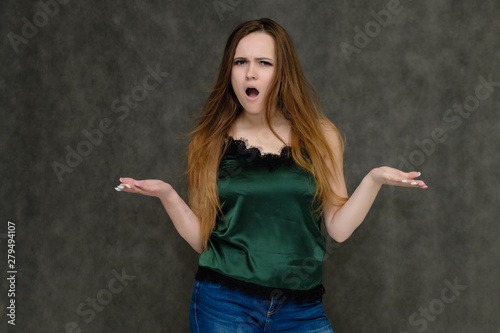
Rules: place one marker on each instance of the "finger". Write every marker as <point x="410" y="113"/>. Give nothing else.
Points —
<point x="408" y="177"/>
<point x="413" y="174"/>
<point x="413" y="183"/>
<point x="127" y="180"/>
<point x="126" y="184"/>
<point x="124" y="187"/>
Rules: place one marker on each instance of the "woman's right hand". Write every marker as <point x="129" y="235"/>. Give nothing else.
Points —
<point x="185" y="221"/>
<point x="151" y="187"/>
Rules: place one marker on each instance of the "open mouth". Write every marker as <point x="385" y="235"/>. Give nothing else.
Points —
<point x="252" y="92"/>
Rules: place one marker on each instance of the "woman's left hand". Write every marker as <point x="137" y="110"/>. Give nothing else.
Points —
<point x="390" y="176"/>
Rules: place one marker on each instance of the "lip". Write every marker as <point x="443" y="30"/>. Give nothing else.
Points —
<point x="250" y="98"/>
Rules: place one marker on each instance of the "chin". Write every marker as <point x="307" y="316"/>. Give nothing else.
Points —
<point x="253" y="108"/>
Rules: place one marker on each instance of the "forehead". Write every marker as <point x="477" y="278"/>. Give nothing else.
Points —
<point x="256" y="44"/>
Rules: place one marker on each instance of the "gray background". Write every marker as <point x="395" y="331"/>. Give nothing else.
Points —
<point x="72" y="233"/>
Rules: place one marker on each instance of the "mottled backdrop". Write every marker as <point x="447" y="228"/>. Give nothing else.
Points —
<point x="94" y="90"/>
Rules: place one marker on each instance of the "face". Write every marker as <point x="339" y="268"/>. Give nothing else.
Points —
<point x="253" y="70"/>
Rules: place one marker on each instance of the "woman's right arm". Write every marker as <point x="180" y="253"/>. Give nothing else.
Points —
<point x="185" y="221"/>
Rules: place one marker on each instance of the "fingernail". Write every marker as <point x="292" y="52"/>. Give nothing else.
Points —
<point x="128" y="185"/>
<point x="419" y="174"/>
<point x="404" y="181"/>
<point x="116" y="188"/>
<point x="413" y="183"/>
<point x="121" y="187"/>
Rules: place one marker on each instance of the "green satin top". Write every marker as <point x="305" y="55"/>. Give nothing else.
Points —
<point x="269" y="233"/>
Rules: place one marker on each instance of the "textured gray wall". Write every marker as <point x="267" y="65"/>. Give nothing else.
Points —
<point x="81" y="73"/>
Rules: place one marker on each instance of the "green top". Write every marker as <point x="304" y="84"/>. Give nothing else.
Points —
<point x="269" y="233"/>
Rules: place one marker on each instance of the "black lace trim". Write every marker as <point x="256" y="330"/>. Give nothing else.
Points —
<point x="254" y="290"/>
<point x="241" y="147"/>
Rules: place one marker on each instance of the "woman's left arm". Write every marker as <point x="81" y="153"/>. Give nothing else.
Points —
<point x="341" y="221"/>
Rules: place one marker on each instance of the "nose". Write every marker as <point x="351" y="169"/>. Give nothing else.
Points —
<point x="251" y="72"/>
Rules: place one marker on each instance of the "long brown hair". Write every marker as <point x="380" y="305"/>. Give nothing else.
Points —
<point x="293" y="95"/>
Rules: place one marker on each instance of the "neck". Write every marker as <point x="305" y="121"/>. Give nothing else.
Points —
<point x="258" y="120"/>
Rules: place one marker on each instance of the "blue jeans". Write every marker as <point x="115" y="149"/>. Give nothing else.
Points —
<point x="217" y="309"/>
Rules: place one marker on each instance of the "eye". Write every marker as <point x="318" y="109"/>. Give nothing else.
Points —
<point x="239" y="62"/>
<point x="266" y="63"/>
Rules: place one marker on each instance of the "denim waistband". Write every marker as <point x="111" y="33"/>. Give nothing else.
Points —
<point x="251" y="289"/>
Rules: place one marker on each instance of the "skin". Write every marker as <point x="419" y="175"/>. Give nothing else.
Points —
<point x="253" y="65"/>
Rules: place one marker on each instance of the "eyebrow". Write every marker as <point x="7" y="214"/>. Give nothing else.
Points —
<point x="259" y="58"/>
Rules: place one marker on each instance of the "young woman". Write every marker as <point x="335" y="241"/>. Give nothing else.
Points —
<point x="265" y="170"/>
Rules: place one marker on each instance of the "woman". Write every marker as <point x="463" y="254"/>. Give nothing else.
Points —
<point x="265" y="170"/>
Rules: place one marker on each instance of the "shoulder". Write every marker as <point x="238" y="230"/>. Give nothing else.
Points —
<point x="332" y="136"/>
